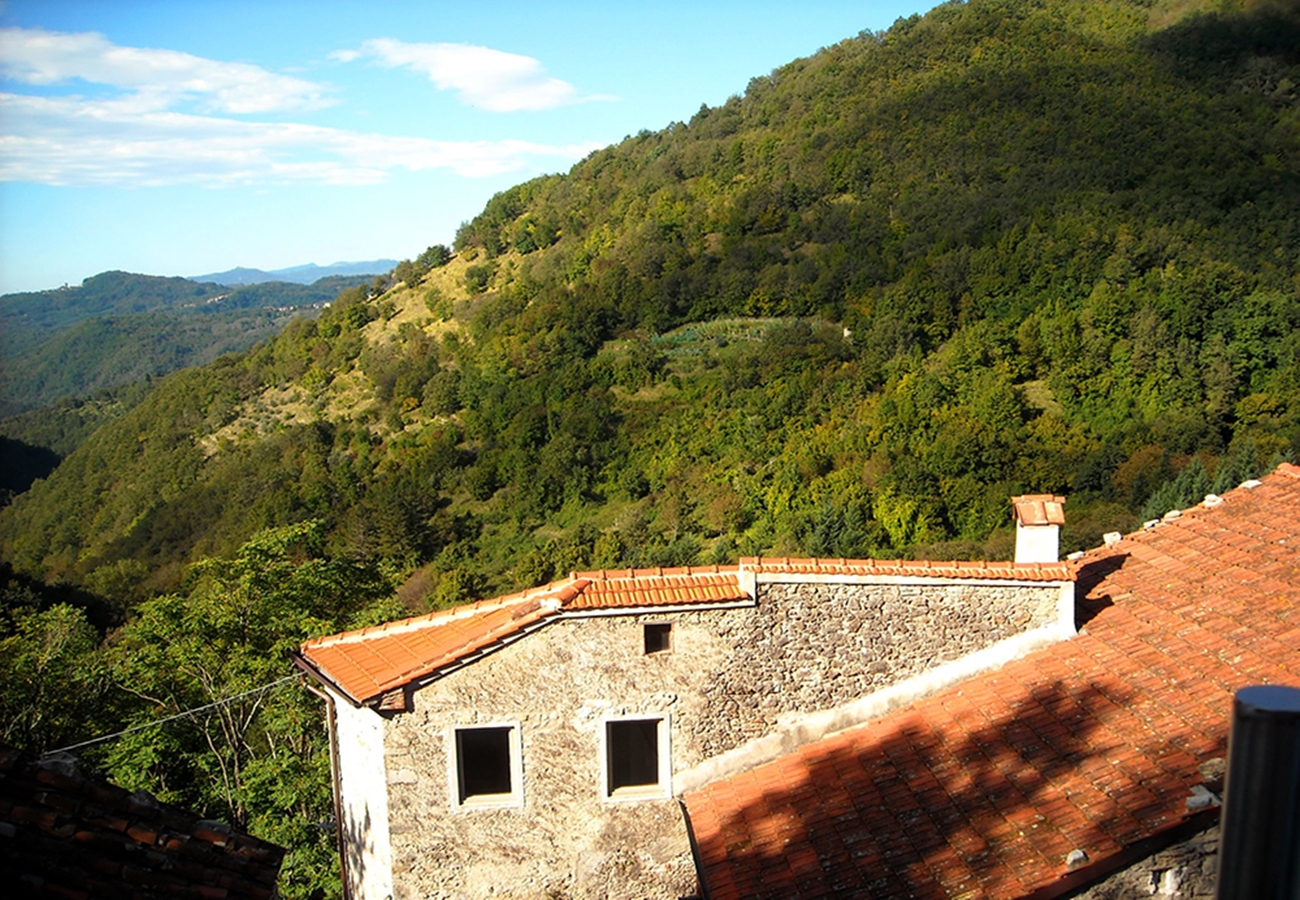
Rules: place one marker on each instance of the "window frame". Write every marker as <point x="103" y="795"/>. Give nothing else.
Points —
<point x="514" y="799"/>
<point x="664" y="632"/>
<point x="662" y="789"/>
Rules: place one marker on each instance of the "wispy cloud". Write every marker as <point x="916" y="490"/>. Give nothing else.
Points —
<point x="157" y="79"/>
<point x="69" y="141"/>
<point x="481" y="77"/>
<point x="169" y="121"/>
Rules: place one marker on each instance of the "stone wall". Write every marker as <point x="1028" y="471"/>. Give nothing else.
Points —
<point x="1188" y="869"/>
<point x="730" y="676"/>
<point x="558" y="685"/>
<point x="816" y="646"/>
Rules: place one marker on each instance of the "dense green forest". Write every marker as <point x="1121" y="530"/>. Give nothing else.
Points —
<point x="117" y="328"/>
<point x="1009" y="246"/>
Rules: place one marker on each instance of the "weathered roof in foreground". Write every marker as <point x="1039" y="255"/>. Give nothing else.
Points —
<point x="69" y="834"/>
<point x="1092" y="744"/>
<point x="372" y="662"/>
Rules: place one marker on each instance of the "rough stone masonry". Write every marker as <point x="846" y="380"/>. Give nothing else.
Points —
<point x="731" y="675"/>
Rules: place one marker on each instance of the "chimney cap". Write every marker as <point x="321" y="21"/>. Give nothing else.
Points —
<point x="1039" y="509"/>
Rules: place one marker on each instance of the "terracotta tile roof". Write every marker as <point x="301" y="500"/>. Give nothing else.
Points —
<point x="1039" y="509"/>
<point x="657" y="587"/>
<point x="67" y="834"/>
<point x="370" y="662"/>
<point x="1094" y="744"/>
<point x="910" y="568"/>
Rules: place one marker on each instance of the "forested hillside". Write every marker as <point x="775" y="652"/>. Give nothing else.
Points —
<point x="117" y="328"/>
<point x="1006" y="247"/>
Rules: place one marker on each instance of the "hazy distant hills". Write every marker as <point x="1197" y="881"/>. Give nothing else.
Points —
<point x="297" y="274"/>
<point x="1004" y="247"/>
<point x="119" y="327"/>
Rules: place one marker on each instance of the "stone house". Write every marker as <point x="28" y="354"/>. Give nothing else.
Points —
<point x="540" y="742"/>
<point x="820" y="728"/>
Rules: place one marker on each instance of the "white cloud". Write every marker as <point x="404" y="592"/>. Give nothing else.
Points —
<point x="69" y="141"/>
<point x="482" y="77"/>
<point x="157" y="127"/>
<point x="156" y="78"/>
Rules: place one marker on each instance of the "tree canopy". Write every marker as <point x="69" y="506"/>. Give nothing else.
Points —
<point x="1006" y="247"/>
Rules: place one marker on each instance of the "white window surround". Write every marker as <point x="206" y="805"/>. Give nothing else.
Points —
<point x="662" y="788"/>
<point x="512" y="799"/>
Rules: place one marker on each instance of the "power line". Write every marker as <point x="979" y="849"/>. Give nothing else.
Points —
<point x="180" y="715"/>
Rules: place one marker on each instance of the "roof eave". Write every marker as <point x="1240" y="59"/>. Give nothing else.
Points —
<point x="308" y="668"/>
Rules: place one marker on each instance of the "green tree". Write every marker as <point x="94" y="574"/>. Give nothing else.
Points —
<point x="254" y="752"/>
<point x="52" y="683"/>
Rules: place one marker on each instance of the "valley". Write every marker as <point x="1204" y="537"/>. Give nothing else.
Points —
<point x="1003" y="248"/>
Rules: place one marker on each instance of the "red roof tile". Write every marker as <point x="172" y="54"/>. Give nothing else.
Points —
<point x="1039" y="509"/>
<point x="1091" y="744"/>
<point x="909" y="568"/>
<point x="657" y="587"/>
<point x="371" y="662"/>
<point x="368" y="663"/>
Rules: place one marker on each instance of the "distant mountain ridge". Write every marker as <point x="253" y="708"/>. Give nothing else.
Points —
<point x="119" y="327"/>
<point x="296" y="274"/>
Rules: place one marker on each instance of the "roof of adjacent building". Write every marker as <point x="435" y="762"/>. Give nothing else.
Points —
<point x="1096" y="744"/>
<point x="373" y="662"/>
<point x="66" y="833"/>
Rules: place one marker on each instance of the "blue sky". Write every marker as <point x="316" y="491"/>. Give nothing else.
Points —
<point x="177" y="138"/>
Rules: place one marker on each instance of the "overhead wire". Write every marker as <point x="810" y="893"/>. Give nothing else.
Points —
<point x="189" y="713"/>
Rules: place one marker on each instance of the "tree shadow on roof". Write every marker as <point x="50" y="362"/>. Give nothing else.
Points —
<point x="942" y="800"/>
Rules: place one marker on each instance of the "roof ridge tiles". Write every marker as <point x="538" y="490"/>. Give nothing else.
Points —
<point x="566" y="589"/>
<point x="1197" y="513"/>
<point x="657" y="572"/>
<point x="1002" y="569"/>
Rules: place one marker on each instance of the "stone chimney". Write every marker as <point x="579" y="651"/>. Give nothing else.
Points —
<point x="1039" y="518"/>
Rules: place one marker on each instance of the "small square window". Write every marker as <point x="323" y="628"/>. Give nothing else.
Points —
<point x="636" y="763"/>
<point x="658" y="637"/>
<point x="487" y="770"/>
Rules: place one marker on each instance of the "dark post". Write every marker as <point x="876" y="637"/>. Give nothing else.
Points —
<point x="1259" y="844"/>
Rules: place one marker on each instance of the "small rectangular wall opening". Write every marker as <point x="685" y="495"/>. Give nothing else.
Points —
<point x="636" y="759"/>
<point x="658" y="637"/>
<point x="487" y="766"/>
